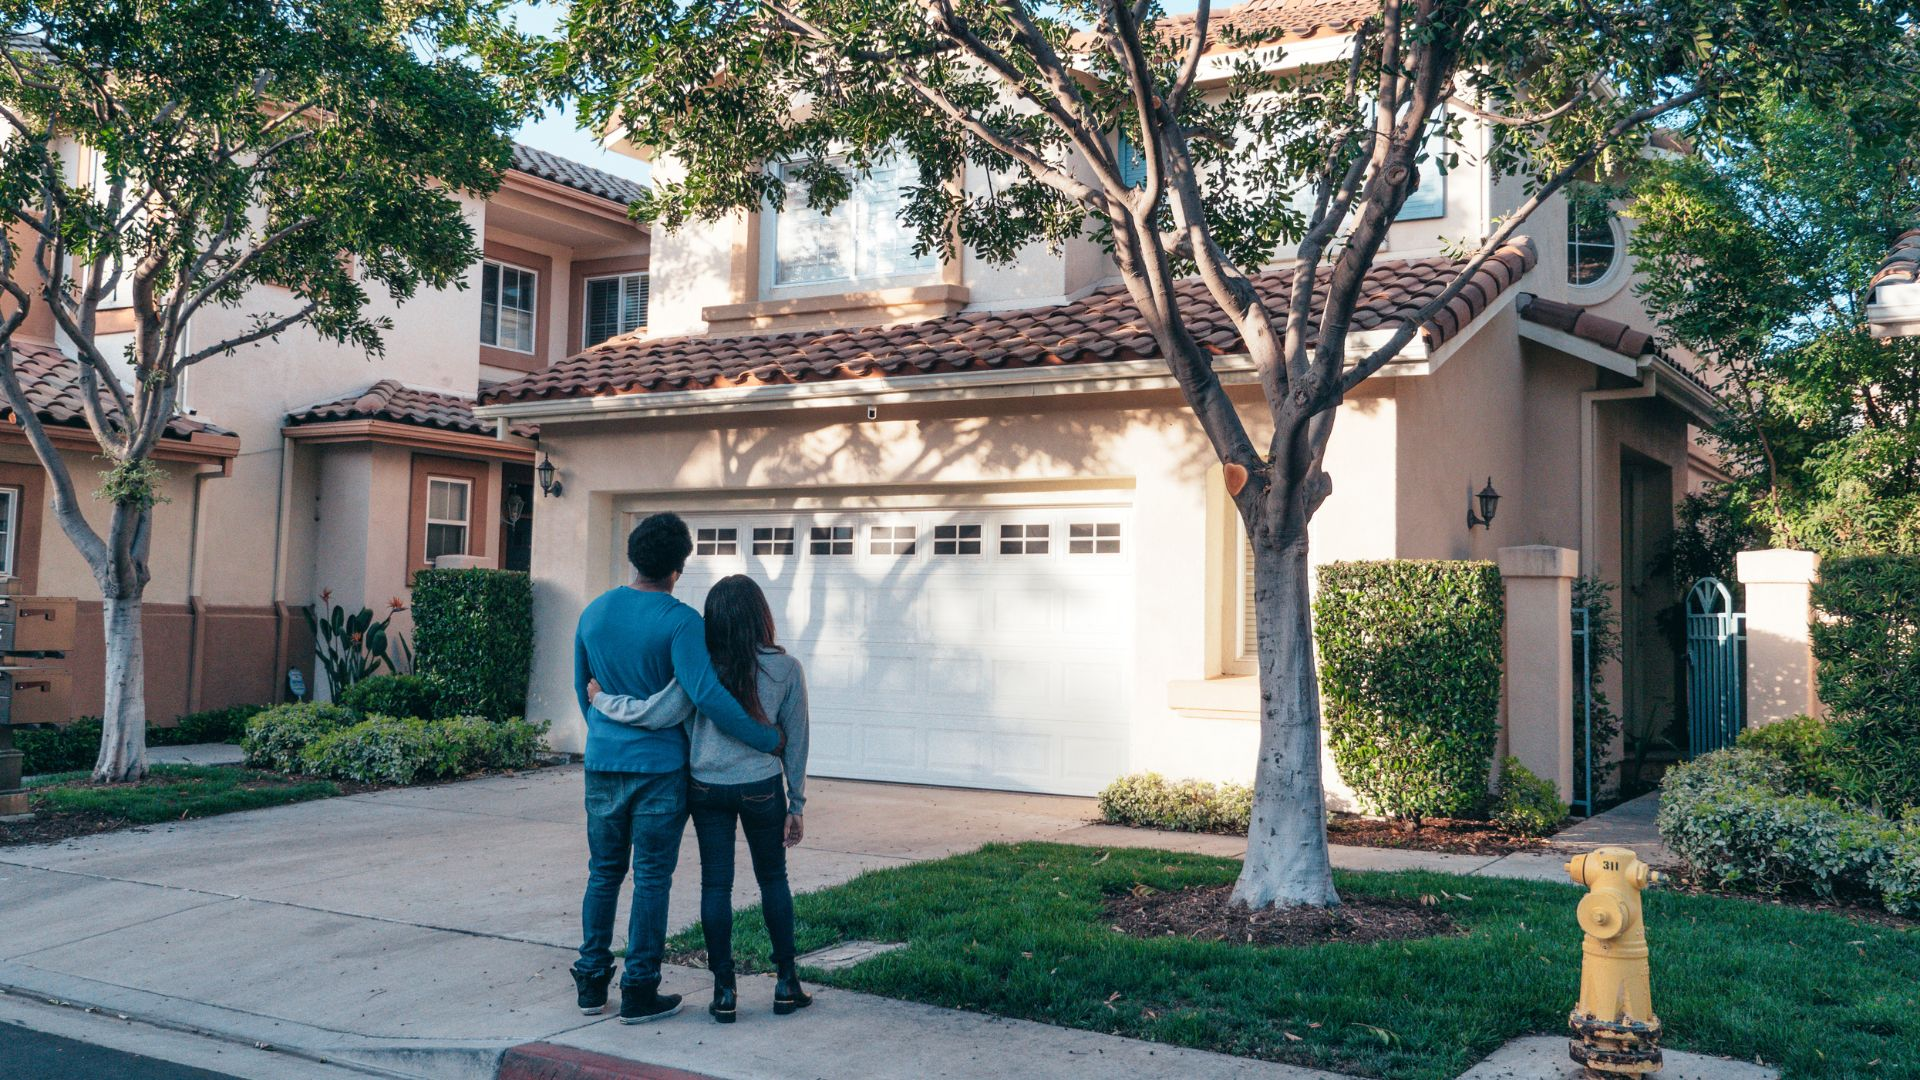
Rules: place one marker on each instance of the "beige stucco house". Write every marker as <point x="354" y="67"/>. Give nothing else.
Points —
<point x="987" y="522"/>
<point x="299" y="465"/>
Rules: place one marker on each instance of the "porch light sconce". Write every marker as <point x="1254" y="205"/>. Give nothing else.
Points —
<point x="549" y="484"/>
<point x="1489" y="501"/>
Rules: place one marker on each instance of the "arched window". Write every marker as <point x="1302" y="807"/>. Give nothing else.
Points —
<point x="1592" y="246"/>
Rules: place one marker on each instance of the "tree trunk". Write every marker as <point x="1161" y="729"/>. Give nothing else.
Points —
<point x="1287" y="863"/>
<point x="123" y="738"/>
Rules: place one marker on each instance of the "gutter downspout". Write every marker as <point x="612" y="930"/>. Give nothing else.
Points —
<point x="282" y="615"/>
<point x="1590" y="401"/>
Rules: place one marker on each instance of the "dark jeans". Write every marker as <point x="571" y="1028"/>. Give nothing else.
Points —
<point x="637" y="816"/>
<point x="761" y="809"/>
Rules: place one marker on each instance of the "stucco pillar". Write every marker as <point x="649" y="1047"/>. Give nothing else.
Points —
<point x="1781" y="680"/>
<point x="1539" y="667"/>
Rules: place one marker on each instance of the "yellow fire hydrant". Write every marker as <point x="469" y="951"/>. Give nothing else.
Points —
<point x="1618" y="1034"/>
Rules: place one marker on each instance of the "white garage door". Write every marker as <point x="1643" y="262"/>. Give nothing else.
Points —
<point x="985" y="646"/>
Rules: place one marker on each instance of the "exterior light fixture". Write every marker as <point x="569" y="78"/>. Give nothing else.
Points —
<point x="1489" y="501"/>
<point x="549" y="484"/>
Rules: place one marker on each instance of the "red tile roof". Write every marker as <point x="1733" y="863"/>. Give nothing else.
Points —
<point x="395" y="402"/>
<point x="1276" y="20"/>
<point x="1102" y="326"/>
<point x="51" y="380"/>
<point x="1576" y="320"/>
<point x="1902" y="263"/>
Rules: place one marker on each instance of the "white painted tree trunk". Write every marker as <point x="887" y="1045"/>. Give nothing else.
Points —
<point x="123" y="738"/>
<point x="1287" y="860"/>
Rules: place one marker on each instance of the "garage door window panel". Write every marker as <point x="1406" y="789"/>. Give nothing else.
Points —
<point x="830" y="540"/>
<point x="1093" y="538"/>
<point x="775" y="540"/>
<point x="892" y="540"/>
<point x="1024" y="539"/>
<point x="956" y="539"/>
<point x="716" y="542"/>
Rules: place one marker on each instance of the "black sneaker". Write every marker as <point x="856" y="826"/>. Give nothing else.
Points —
<point x="639" y="1005"/>
<point x="593" y="991"/>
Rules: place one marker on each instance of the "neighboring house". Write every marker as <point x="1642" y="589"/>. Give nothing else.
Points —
<point x="330" y="469"/>
<point x="988" y="523"/>
<point x="1895" y="308"/>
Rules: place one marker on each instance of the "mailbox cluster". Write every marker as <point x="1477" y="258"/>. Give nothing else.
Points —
<point x="36" y="632"/>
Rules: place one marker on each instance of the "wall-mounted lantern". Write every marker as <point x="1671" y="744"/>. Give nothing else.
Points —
<point x="549" y="483"/>
<point x="1489" y="501"/>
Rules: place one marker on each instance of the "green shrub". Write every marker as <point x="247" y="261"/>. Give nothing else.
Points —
<point x="70" y="748"/>
<point x="473" y="632"/>
<point x="407" y="750"/>
<point x="1868" y="649"/>
<point x="276" y="737"/>
<point x="394" y="695"/>
<point x="1811" y="749"/>
<point x="1526" y="805"/>
<point x="1737" y="817"/>
<point x="1150" y="800"/>
<point x="1410" y="655"/>
<point x="1896" y="877"/>
<point x="208" y="726"/>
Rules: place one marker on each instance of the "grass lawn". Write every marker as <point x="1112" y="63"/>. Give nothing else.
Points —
<point x="1019" y="931"/>
<point x="172" y="792"/>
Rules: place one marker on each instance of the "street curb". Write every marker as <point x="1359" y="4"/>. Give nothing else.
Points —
<point x="548" y="1061"/>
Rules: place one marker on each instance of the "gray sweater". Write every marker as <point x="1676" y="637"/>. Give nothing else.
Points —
<point x="716" y="758"/>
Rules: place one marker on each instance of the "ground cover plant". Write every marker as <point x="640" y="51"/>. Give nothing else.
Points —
<point x="1022" y="931"/>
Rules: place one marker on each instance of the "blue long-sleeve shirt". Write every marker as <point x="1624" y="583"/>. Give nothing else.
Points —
<point x="635" y="643"/>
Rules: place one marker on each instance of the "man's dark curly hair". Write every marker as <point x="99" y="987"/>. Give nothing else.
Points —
<point x="658" y="547"/>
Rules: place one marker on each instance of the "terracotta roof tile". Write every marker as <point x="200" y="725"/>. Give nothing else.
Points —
<point x="1101" y="326"/>
<point x="1274" y="20"/>
<point x="395" y="402"/>
<point x="1902" y="263"/>
<point x="51" y="380"/>
<point x="1609" y="334"/>
<point x="574" y="175"/>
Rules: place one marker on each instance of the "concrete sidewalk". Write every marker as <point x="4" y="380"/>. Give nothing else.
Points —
<point x="423" y="931"/>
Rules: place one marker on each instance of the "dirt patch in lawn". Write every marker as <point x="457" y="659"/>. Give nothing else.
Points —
<point x="1205" y="914"/>
<point x="45" y="828"/>
<point x="1453" y="836"/>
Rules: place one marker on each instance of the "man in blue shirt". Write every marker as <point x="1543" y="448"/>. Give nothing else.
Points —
<point x="635" y="639"/>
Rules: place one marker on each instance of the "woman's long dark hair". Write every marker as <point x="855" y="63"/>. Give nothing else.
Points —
<point x="739" y="629"/>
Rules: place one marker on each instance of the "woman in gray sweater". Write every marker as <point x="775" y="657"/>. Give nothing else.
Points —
<point x="732" y="781"/>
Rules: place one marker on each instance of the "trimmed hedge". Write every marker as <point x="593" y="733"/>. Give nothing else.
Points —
<point x="1742" y="818"/>
<point x="1525" y="804"/>
<point x="1868" y="649"/>
<point x="1410" y="656"/>
<point x="394" y="695"/>
<point x="207" y="726"/>
<point x="390" y="750"/>
<point x="276" y="738"/>
<point x="473" y="634"/>
<point x="1153" y="801"/>
<point x="73" y="747"/>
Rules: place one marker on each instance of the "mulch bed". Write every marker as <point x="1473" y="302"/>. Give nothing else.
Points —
<point x="1205" y="914"/>
<point x="1450" y="835"/>
<point x="46" y="828"/>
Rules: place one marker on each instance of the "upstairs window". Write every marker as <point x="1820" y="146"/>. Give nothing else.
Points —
<point x="1591" y="245"/>
<point x="448" y="516"/>
<point x="862" y="238"/>
<point x="506" y="306"/>
<point x="615" y="306"/>
<point x="9" y="526"/>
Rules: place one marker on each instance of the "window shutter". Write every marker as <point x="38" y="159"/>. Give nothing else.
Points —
<point x="1133" y="162"/>
<point x="638" y="288"/>
<point x="1249" y="618"/>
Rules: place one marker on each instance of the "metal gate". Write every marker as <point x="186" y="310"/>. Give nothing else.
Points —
<point x="1716" y="667"/>
<point x="1583" y="801"/>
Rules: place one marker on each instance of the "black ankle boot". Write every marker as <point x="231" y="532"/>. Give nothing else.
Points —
<point x="725" y="1002"/>
<point x="787" y="994"/>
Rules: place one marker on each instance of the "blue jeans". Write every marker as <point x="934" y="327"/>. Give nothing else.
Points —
<point x="637" y="816"/>
<point x="761" y="809"/>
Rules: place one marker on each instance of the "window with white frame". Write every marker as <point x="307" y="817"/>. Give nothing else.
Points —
<point x="1093" y="538"/>
<point x="449" y="516"/>
<point x="102" y="182"/>
<point x="507" y="295"/>
<point x="615" y="305"/>
<point x="831" y="540"/>
<point x="862" y="238"/>
<point x="1591" y="245"/>
<point x="892" y="539"/>
<point x="9" y="528"/>
<point x="1023" y="539"/>
<point x="773" y="541"/>
<point x="716" y="541"/>
<point x="956" y="539"/>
